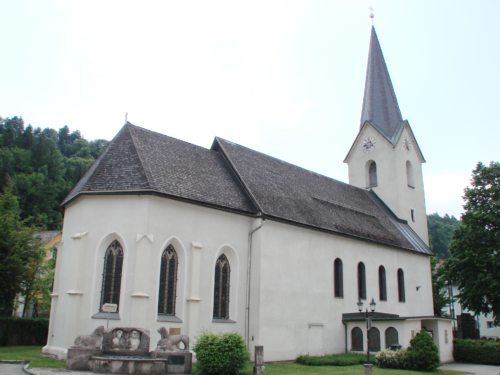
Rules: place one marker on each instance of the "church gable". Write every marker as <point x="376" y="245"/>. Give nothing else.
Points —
<point x="406" y="140"/>
<point x="118" y="169"/>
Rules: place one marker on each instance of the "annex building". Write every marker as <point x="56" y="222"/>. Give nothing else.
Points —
<point x="230" y="239"/>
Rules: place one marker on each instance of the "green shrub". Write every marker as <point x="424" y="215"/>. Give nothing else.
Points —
<point x="221" y="354"/>
<point x="346" y="359"/>
<point x="392" y="359"/>
<point x="422" y="355"/>
<point x="477" y="351"/>
<point x="22" y="331"/>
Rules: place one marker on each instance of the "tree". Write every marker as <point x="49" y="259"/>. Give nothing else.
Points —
<point x="43" y="165"/>
<point x="17" y="251"/>
<point x="441" y="230"/>
<point x="474" y="265"/>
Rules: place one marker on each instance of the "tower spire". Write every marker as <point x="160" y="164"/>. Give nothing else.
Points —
<point x="380" y="106"/>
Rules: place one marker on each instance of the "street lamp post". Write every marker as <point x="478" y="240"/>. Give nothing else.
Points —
<point x="368" y="369"/>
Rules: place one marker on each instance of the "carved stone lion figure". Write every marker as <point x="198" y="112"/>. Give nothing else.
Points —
<point x="171" y="343"/>
<point x="93" y="340"/>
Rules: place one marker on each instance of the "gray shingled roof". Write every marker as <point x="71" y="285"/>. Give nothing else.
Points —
<point x="380" y="106"/>
<point x="140" y="160"/>
<point x="286" y="192"/>
<point x="236" y="178"/>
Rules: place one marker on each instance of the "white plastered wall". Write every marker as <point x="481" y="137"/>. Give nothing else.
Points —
<point x="145" y="225"/>
<point x="298" y="313"/>
<point x="292" y="308"/>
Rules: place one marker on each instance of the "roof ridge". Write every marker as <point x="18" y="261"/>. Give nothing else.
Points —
<point x="246" y="189"/>
<point x="140" y="128"/>
<point x="147" y="170"/>
<point x="288" y="163"/>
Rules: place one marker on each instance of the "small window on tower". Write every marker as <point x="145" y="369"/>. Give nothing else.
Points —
<point x="412" y="215"/>
<point x="409" y="174"/>
<point x="371" y="167"/>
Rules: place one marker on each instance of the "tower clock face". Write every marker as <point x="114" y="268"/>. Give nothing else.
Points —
<point x="406" y="144"/>
<point x="368" y="144"/>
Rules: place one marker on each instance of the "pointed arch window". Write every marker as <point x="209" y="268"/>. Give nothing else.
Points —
<point x="401" y="285"/>
<point x="361" y="281"/>
<point x="112" y="274"/>
<point x="168" y="281"/>
<point x="372" y="174"/>
<point x="382" y="286"/>
<point x="338" y="278"/>
<point x="221" y="288"/>
<point x="410" y="179"/>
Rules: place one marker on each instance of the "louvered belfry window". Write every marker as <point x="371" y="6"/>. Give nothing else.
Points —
<point x="168" y="281"/>
<point x="221" y="288"/>
<point x="112" y="274"/>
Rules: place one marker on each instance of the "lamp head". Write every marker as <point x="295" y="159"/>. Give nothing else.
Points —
<point x="372" y="305"/>
<point x="360" y="305"/>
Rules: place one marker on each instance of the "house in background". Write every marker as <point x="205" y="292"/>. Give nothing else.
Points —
<point x="229" y="239"/>
<point x="468" y="323"/>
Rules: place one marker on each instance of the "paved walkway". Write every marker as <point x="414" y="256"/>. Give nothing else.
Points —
<point x="11" y="369"/>
<point x="472" y="368"/>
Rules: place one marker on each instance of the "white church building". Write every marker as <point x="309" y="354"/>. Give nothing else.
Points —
<point x="230" y="239"/>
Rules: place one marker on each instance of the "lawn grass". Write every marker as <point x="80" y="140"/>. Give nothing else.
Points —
<point x="32" y="354"/>
<point x="296" y="369"/>
<point x="290" y="368"/>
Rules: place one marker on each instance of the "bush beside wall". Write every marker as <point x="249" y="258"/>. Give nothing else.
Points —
<point x="477" y="351"/>
<point x="220" y="354"/>
<point x="22" y="331"/>
<point x="392" y="359"/>
<point x="422" y="354"/>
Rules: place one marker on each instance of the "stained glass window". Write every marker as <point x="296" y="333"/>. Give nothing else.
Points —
<point x="168" y="281"/>
<point x="221" y="288"/>
<point x="112" y="274"/>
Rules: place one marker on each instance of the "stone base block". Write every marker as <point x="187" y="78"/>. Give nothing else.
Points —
<point x="177" y="362"/>
<point x="78" y="358"/>
<point x="127" y="365"/>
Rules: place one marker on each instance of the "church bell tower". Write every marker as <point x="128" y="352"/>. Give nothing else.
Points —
<point x="385" y="156"/>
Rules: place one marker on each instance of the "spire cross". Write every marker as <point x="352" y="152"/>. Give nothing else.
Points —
<point x="372" y="14"/>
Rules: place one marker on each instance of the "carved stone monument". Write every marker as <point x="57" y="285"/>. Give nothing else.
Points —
<point x="175" y="349"/>
<point x="84" y="348"/>
<point x="125" y="350"/>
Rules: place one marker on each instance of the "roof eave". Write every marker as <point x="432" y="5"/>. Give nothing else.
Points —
<point x="162" y="195"/>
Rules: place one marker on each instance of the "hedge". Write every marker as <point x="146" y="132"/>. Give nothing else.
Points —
<point x="23" y="331"/>
<point x="477" y="351"/>
<point x="347" y="359"/>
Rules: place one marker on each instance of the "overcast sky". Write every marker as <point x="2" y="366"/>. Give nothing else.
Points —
<point x="283" y="77"/>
